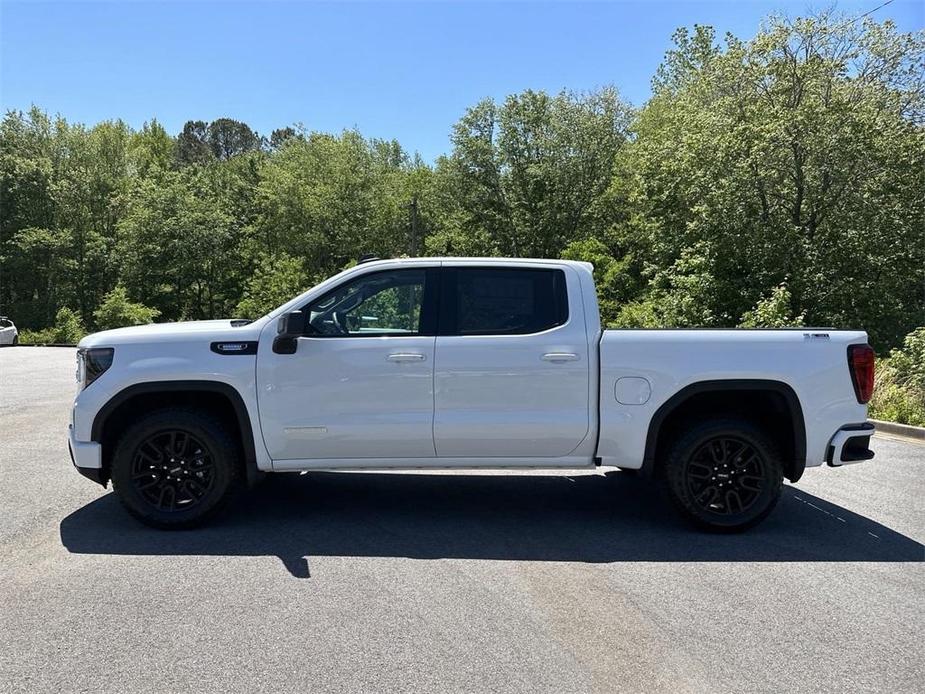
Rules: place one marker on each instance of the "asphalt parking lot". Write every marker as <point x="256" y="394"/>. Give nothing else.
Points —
<point x="448" y="582"/>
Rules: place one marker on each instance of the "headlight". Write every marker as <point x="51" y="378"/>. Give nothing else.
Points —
<point x="92" y="363"/>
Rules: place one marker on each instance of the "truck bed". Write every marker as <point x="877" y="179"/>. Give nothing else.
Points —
<point x="647" y="368"/>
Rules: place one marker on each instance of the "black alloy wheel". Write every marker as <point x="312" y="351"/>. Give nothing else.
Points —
<point x="725" y="475"/>
<point x="173" y="470"/>
<point x="176" y="467"/>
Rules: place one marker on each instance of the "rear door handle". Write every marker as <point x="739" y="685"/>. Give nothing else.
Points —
<point x="560" y="356"/>
<point x="406" y="356"/>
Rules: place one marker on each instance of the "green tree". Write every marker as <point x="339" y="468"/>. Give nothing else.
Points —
<point x="67" y="180"/>
<point x="193" y="143"/>
<point x="151" y="150"/>
<point x="529" y="175"/>
<point x="615" y="279"/>
<point x="68" y="328"/>
<point x="899" y="394"/>
<point x="276" y="280"/>
<point x="35" y="275"/>
<point x="117" y="311"/>
<point x="329" y="199"/>
<point x="798" y="154"/>
<point x="179" y="246"/>
<point x="773" y="311"/>
<point x="279" y="136"/>
<point x="228" y="138"/>
<point x="766" y="181"/>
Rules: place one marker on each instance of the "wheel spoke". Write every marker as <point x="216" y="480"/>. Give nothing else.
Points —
<point x="166" y="491"/>
<point x="194" y="489"/>
<point x="147" y="485"/>
<point x="149" y="452"/>
<point x="181" y="443"/>
<point x="707" y="496"/>
<point x="700" y="471"/>
<point x="733" y="502"/>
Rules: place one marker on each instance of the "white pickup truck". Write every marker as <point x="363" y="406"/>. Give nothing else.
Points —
<point x="463" y="363"/>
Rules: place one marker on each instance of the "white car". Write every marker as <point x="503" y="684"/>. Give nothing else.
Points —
<point x="9" y="335"/>
<point x="464" y="363"/>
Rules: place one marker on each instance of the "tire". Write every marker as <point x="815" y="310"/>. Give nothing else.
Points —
<point x="724" y="475"/>
<point x="15" y="340"/>
<point x="175" y="468"/>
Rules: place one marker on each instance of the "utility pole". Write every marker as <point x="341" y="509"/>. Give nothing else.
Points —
<point x="415" y="249"/>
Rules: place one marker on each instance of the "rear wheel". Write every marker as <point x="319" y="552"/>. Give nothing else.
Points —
<point x="175" y="468"/>
<point x="724" y="475"/>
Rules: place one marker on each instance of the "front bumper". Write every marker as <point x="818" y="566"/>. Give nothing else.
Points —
<point x="851" y="444"/>
<point x="87" y="458"/>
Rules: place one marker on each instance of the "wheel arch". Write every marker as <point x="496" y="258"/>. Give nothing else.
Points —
<point x="772" y="397"/>
<point x="212" y="395"/>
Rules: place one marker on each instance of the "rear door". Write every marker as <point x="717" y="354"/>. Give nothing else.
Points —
<point x="511" y="376"/>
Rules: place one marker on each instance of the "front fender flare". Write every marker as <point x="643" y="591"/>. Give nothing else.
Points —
<point x="252" y="474"/>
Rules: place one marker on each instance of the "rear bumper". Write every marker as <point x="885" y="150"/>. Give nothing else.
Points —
<point x="851" y="444"/>
<point x="86" y="457"/>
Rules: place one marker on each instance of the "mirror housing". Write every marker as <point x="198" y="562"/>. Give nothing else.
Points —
<point x="291" y="324"/>
<point x="289" y="329"/>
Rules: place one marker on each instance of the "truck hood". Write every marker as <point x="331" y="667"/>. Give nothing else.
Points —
<point x="185" y="331"/>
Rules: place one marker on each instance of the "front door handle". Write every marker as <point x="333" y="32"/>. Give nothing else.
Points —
<point x="560" y="356"/>
<point x="406" y="356"/>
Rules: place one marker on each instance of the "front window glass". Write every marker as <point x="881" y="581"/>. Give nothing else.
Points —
<point x="381" y="303"/>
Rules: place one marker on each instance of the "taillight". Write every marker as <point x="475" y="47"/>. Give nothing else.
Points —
<point x="861" y="366"/>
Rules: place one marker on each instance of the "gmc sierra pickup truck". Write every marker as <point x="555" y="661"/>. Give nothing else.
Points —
<point x="463" y="363"/>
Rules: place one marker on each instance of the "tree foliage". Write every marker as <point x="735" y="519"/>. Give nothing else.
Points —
<point x="117" y="311"/>
<point x="525" y="178"/>
<point x="276" y="279"/>
<point x="798" y="155"/>
<point x="899" y="394"/>
<point x="773" y="311"/>
<point x="772" y="181"/>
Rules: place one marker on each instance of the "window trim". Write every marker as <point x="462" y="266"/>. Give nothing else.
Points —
<point x="447" y="318"/>
<point x="428" y="321"/>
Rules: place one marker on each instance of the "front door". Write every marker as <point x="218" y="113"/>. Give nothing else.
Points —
<point x="360" y="384"/>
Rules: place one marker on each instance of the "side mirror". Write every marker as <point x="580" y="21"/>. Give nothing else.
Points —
<point x="289" y="329"/>
<point x="291" y="325"/>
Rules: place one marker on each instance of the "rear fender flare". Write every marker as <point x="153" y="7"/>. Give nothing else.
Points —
<point x="798" y="464"/>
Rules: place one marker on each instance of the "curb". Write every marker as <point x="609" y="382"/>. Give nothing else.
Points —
<point x="904" y="430"/>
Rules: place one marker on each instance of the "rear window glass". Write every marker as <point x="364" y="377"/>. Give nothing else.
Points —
<point x="492" y="301"/>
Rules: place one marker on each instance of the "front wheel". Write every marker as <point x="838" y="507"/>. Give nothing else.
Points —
<point x="724" y="475"/>
<point x="175" y="468"/>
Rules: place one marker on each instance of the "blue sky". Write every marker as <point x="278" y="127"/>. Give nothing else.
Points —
<point x="406" y="71"/>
